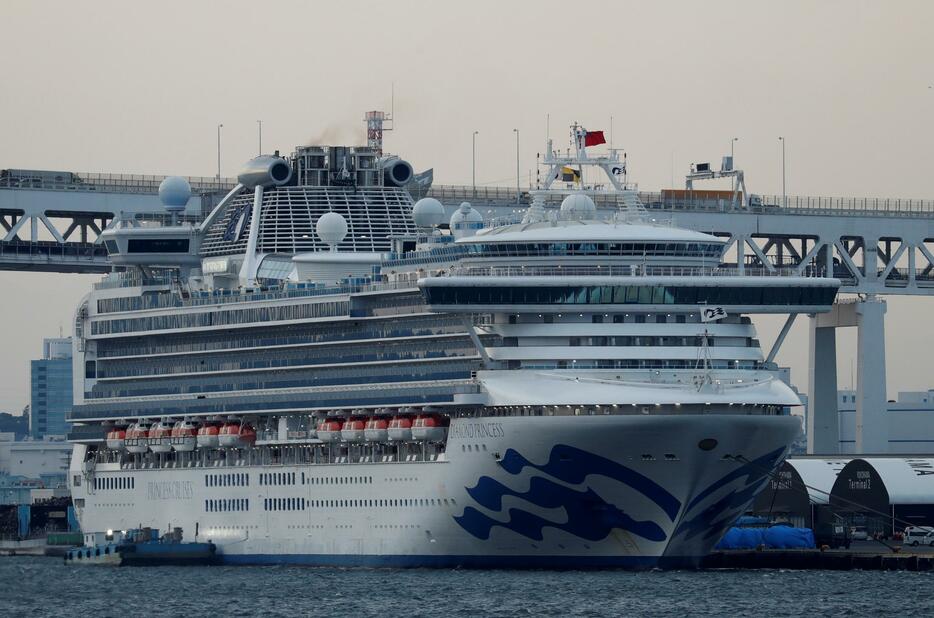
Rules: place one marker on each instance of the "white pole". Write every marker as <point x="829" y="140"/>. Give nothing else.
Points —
<point x="784" y="196"/>
<point x="475" y="163"/>
<point x="219" y="151"/>
<point x="260" y="123"/>
<point x="518" y="190"/>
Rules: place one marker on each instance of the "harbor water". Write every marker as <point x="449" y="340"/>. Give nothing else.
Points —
<point x="45" y="587"/>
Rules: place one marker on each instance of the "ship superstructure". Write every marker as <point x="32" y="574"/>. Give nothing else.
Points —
<point x="325" y="371"/>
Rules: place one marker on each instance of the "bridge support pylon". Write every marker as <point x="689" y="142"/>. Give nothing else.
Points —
<point x="823" y="425"/>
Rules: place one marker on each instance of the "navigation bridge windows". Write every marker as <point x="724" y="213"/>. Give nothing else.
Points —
<point x="766" y="295"/>
<point x="632" y="363"/>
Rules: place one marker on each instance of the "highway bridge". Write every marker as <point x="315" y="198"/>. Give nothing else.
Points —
<point x="51" y="220"/>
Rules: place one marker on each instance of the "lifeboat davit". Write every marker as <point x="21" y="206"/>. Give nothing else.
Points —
<point x="430" y="427"/>
<point x="377" y="429"/>
<point x="184" y="436"/>
<point x="234" y="434"/>
<point x="354" y="430"/>
<point x="329" y="430"/>
<point x="160" y="437"/>
<point x="207" y="436"/>
<point x="400" y="429"/>
<point x="116" y="439"/>
<point x="137" y="437"/>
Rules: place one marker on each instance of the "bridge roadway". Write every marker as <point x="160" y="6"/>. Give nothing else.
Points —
<point x="51" y="220"/>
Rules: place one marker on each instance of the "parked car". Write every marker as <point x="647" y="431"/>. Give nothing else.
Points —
<point x="918" y="535"/>
<point x="859" y="533"/>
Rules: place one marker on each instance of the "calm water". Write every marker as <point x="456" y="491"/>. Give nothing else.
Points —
<point x="44" y="586"/>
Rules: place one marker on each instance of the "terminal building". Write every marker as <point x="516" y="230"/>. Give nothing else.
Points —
<point x="32" y="470"/>
<point x="50" y="389"/>
<point x="884" y="495"/>
<point x="799" y="491"/>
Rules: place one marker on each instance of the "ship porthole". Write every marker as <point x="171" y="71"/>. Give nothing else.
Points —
<point x="707" y="444"/>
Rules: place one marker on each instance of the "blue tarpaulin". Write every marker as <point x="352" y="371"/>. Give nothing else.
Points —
<point x="776" y="537"/>
<point x="23" y="514"/>
<point x="73" y="525"/>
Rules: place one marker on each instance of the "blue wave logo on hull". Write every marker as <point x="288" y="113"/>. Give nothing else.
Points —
<point x="589" y="516"/>
<point x="715" y="518"/>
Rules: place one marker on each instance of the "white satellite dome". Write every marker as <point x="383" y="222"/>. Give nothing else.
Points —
<point x="428" y="212"/>
<point x="331" y="228"/>
<point x="466" y="221"/>
<point x="174" y="192"/>
<point x="579" y="206"/>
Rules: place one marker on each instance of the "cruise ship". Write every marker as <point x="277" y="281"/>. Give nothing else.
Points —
<point x="327" y="371"/>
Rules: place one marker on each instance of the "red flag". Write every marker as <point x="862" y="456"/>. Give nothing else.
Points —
<point x="594" y="138"/>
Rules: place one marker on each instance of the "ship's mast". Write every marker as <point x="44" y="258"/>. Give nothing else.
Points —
<point x="612" y="165"/>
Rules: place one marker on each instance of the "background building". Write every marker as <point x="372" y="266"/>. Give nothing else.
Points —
<point x="32" y="470"/>
<point x="910" y="422"/>
<point x="50" y="389"/>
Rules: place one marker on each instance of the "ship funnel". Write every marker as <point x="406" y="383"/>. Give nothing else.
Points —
<point x="396" y="172"/>
<point x="265" y="171"/>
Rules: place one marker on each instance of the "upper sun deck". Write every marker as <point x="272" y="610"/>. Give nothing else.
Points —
<point x="588" y="230"/>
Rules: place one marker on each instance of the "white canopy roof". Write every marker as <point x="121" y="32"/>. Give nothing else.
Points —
<point x="577" y="231"/>
<point x="908" y="480"/>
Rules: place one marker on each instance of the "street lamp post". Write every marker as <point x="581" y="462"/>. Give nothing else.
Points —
<point x="784" y="195"/>
<point x="518" y="191"/>
<point x="474" y="160"/>
<point x="260" y="123"/>
<point x="219" y="151"/>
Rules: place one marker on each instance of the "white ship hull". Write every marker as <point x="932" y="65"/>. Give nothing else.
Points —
<point x="589" y="491"/>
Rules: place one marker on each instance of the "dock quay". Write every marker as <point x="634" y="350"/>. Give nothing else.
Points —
<point x="815" y="559"/>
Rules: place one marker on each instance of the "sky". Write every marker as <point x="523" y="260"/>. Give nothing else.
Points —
<point x="140" y="88"/>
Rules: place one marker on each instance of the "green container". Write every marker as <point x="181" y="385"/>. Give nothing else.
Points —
<point x="65" y="538"/>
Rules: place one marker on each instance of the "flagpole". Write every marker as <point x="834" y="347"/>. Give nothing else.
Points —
<point x="518" y="190"/>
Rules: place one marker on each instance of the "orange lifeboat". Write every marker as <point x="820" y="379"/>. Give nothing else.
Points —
<point x="234" y="434"/>
<point x="160" y="437"/>
<point x="329" y="430"/>
<point x="400" y="429"/>
<point x="229" y="434"/>
<point x="184" y="436"/>
<point x="137" y="437"/>
<point x="354" y="429"/>
<point x="377" y="429"/>
<point x="116" y="439"/>
<point x="207" y="435"/>
<point x="430" y="427"/>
